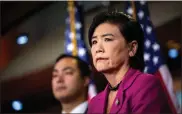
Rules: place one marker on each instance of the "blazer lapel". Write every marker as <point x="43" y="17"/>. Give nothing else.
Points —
<point x="118" y="101"/>
<point x="102" y="99"/>
<point x="126" y="82"/>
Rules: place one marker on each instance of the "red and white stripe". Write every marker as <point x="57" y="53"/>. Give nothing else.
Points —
<point x="167" y="83"/>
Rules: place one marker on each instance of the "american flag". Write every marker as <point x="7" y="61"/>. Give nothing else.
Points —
<point x="74" y="42"/>
<point x="154" y="62"/>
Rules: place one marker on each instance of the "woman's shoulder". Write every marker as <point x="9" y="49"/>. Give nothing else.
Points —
<point x="97" y="97"/>
<point x="137" y="77"/>
<point x="93" y="104"/>
<point x="145" y="78"/>
<point x="142" y="84"/>
<point x="146" y="81"/>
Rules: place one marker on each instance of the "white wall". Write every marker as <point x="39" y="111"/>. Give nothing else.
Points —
<point x="47" y="28"/>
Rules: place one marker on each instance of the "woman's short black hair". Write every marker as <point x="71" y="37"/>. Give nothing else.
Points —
<point x="82" y="65"/>
<point x="129" y="28"/>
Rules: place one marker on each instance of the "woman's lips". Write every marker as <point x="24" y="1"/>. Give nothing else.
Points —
<point x="101" y="59"/>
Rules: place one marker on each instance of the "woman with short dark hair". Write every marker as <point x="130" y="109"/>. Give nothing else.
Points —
<point x="116" y="42"/>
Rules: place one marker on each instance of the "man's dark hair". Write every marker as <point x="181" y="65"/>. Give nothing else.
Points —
<point x="129" y="28"/>
<point x="82" y="65"/>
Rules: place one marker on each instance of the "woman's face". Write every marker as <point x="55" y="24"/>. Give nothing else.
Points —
<point x="109" y="48"/>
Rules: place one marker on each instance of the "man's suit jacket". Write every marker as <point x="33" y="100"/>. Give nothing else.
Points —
<point x="137" y="93"/>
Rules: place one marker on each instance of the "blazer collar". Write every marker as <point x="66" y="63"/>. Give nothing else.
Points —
<point x="102" y="98"/>
<point x="129" y="78"/>
<point x="125" y="84"/>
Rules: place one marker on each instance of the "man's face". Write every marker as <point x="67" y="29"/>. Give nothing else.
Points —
<point x="67" y="84"/>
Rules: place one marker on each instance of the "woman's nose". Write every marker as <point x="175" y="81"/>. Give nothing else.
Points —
<point x="99" y="48"/>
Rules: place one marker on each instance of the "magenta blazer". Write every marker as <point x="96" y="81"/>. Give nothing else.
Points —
<point x="138" y="93"/>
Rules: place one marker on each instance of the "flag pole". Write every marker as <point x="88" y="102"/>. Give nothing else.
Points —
<point x="134" y="10"/>
<point x="71" y="9"/>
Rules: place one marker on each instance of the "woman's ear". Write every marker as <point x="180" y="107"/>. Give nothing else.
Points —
<point x="133" y="46"/>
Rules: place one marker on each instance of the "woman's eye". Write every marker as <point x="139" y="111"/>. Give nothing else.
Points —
<point x="108" y="39"/>
<point x="94" y="42"/>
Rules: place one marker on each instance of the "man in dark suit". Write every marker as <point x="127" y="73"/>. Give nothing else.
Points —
<point x="70" y="79"/>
